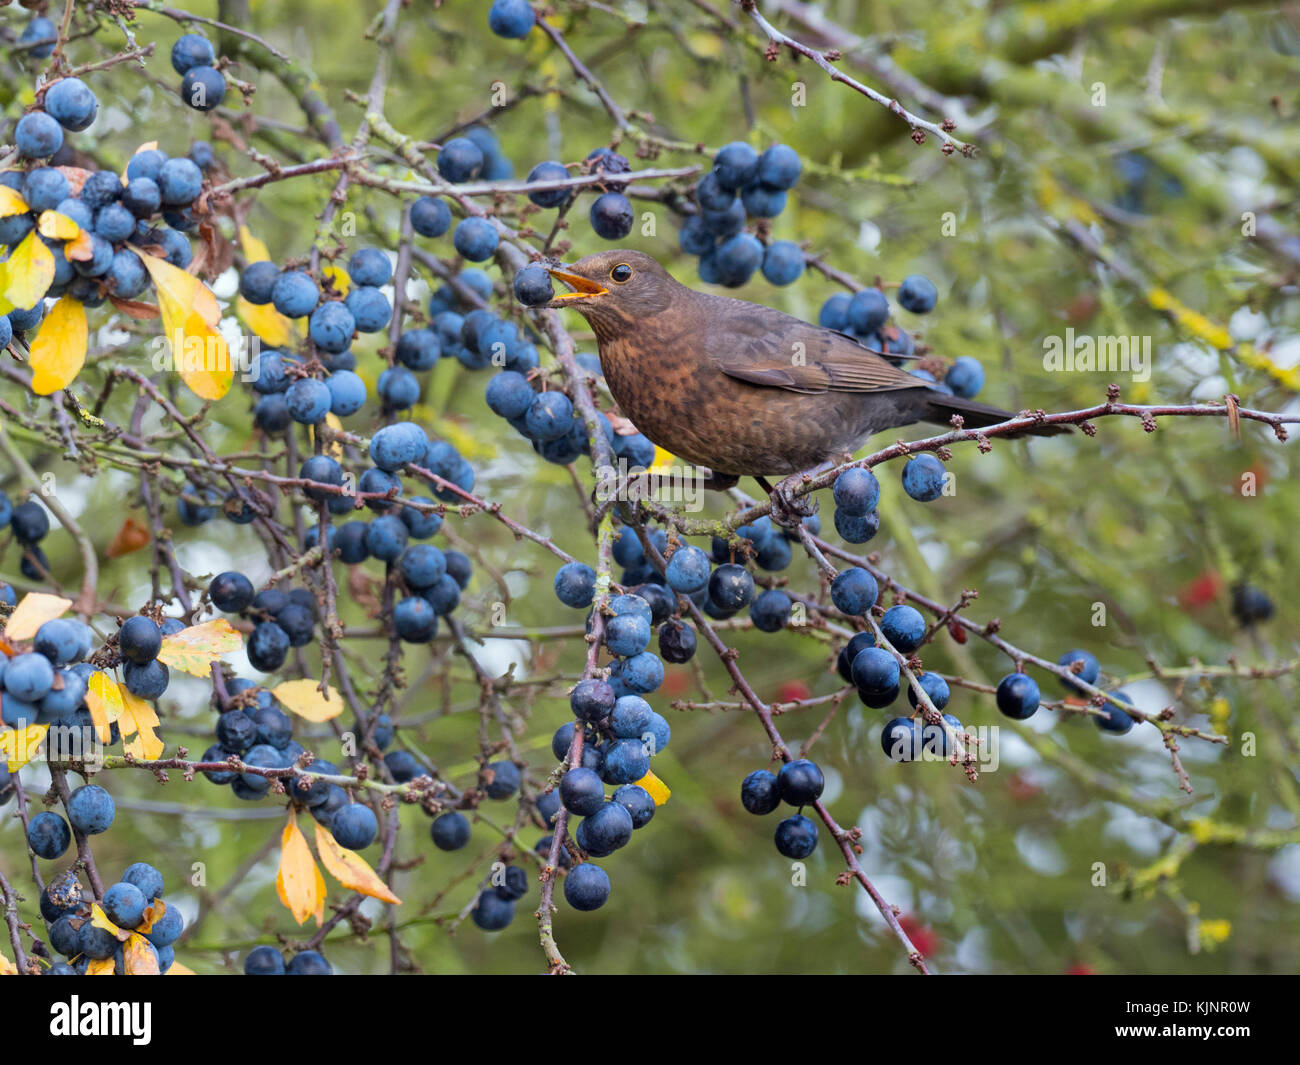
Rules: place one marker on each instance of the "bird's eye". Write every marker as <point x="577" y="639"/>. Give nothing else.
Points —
<point x="622" y="272"/>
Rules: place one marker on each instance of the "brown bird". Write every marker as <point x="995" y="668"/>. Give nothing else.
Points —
<point x="742" y="389"/>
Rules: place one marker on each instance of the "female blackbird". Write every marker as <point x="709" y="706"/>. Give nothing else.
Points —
<point x="740" y="388"/>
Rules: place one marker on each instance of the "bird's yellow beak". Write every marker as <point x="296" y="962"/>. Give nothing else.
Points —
<point x="581" y="286"/>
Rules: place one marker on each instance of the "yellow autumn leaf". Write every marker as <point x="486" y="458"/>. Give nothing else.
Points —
<point x="59" y="350"/>
<point x="7" y="968"/>
<point x="34" y="611"/>
<point x="270" y="325"/>
<point x="177" y="969"/>
<point x="139" y="720"/>
<point x="103" y="967"/>
<point x="57" y="226"/>
<point x="99" y="919"/>
<point x="663" y="461"/>
<point x="334" y="449"/>
<point x="11" y="203"/>
<point x="350" y="869"/>
<point x="207" y="371"/>
<point x="192" y="650"/>
<point x="29" y="272"/>
<point x="139" y="957"/>
<point x="304" y="698"/>
<point x="339" y="277"/>
<point x="298" y="882"/>
<point x="104" y="700"/>
<point x="190" y="315"/>
<point x="20" y="746"/>
<point x="255" y="249"/>
<point x="657" y="788"/>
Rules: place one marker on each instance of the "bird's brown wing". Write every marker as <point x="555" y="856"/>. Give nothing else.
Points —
<point x="766" y="347"/>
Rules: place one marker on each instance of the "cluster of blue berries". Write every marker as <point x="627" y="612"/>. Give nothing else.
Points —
<point x="856" y="493"/>
<point x="611" y="214"/>
<point x="876" y="674"/>
<point x="799" y="783"/>
<point x="495" y="908"/>
<point x="203" y="86"/>
<point x="450" y="831"/>
<point x="252" y="727"/>
<point x="621" y="731"/>
<point x="743" y="185"/>
<point x="47" y="685"/>
<point x="475" y="154"/>
<point x="133" y="903"/>
<point x="1018" y="696"/>
<point x="267" y="961"/>
<point x="549" y="422"/>
<point x="30" y="524"/>
<point x="867" y="317"/>
<point x="139" y="640"/>
<point x="152" y="209"/>
<point x="332" y="325"/>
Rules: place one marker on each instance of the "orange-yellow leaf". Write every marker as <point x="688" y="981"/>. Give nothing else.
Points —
<point x="657" y="788"/>
<point x="270" y="325"/>
<point x="34" y="611"/>
<point x="59" y="350"/>
<point x="139" y="720"/>
<point x="130" y="537"/>
<point x="177" y="969"/>
<point x="11" y="203"/>
<point x="139" y="957"/>
<point x="152" y="915"/>
<point x="103" y="967"/>
<point x="350" y="869"/>
<point x="192" y="650"/>
<point x="304" y="698"/>
<point x="29" y="272"/>
<point x="57" y="226"/>
<point x="99" y="919"/>
<point x="299" y="883"/>
<point x="19" y="746"/>
<point x="7" y="968"/>
<point x="190" y="315"/>
<point x="104" y="700"/>
<point x="80" y="248"/>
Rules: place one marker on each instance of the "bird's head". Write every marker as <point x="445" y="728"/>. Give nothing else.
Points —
<point x="615" y="287"/>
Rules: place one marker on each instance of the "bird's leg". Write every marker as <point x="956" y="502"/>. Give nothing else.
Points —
<point x="788" y="510"/>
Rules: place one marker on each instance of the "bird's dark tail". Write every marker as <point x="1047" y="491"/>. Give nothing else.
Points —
<point x="980" y="415"/>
